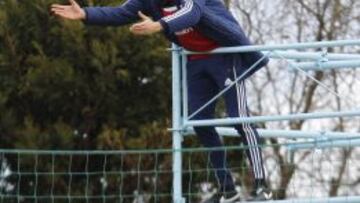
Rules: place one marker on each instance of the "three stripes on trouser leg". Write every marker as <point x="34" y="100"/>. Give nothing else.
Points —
<point x="247" y="130"/>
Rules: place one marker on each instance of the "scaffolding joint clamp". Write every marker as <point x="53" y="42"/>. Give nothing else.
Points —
<point x="323" y="59"/>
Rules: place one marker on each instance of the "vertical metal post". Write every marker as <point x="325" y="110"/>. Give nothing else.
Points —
<point x="177" y="125"/>
<point x="184" y="87"/>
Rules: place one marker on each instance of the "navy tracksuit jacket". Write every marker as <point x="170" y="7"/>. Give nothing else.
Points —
<point x="207" y="76"/>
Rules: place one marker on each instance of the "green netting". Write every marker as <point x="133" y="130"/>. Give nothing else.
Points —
<point x="146" y="175"/>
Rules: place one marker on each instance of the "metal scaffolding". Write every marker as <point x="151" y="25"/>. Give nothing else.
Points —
<point x="298" y="60"/>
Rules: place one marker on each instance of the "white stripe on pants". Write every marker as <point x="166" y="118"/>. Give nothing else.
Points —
<point x="250" y="134"/>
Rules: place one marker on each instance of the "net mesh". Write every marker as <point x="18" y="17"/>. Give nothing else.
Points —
<point x="146" y="175"/>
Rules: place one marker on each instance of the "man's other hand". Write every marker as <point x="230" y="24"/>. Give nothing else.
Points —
<point x="146" y="27"/>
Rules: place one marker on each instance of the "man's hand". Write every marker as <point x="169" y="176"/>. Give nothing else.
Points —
<point x="71" y="12"/>
<point x="146" y="27"/>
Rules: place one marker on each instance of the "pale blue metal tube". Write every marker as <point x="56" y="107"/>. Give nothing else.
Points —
<point x="324" y="143"/>
<point x="288" y="134"/>
<point x="258" y="119"/>
<point x="293" y="134"/>
<point x="184" y="86"/>
<point x="296" y="55"/>
<point x="309" y="45"/>
<point x="317" y="139"/>
<point x="177" y="136"/>
<point x="349" y="199"/>
<point x="321" y="66"/>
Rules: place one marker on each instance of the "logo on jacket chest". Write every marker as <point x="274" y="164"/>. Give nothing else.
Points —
<point x="184" y="31"/>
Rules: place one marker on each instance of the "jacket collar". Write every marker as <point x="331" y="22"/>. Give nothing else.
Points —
<point x="158" y="12"/>
<point x="160" y="2"/>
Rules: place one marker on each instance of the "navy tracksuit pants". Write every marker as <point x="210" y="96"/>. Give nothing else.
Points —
<point x="206" y="77"/>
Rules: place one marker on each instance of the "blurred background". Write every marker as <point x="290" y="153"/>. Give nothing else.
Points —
<point x="65" y="86"/>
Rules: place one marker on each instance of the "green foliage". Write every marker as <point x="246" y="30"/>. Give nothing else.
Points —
<point x="64" y="85"/>
<point x="67" y="86"/>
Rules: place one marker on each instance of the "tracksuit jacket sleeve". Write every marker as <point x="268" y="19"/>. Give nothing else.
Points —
<point x="188" y="16"/>
<point x="116" y="16"/>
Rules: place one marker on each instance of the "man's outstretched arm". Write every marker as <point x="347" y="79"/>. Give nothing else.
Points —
<point x="116" y="16"/>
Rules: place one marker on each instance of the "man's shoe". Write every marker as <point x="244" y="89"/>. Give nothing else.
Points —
<point x="261" y="194"/>
<point x="230" y="197"/>
<point x="213" y="199"/>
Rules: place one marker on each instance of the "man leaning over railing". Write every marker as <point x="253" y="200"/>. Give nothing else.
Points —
<point x="197" y="25"/>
